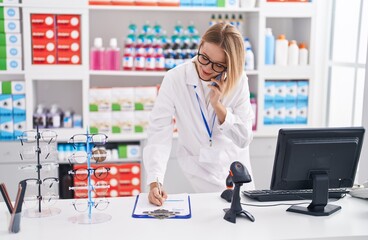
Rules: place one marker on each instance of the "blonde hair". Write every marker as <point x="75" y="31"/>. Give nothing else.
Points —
<point x="230" y="40"/>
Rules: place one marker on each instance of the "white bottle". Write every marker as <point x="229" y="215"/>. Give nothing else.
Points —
<point x="281" y="51"/>
<point x="249" y="59"/>
<point x="293" y="53"/>
<point x="303" y="55"/>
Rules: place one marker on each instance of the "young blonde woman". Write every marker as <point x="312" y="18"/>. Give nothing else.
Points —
<point x="209" y="96"/>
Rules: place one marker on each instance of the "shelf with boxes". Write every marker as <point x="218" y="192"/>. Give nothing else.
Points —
<point x="77" y="81"/>
<point x="120" y="160"/>
<point x="287" y="64"/>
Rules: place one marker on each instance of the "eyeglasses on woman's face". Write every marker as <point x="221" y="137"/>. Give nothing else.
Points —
<point x="204" y="60"/>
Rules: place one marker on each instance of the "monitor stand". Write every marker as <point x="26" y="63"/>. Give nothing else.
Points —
<point x="318" y="206"/>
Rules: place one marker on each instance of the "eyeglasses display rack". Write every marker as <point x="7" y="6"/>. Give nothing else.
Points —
<point x="41" y="193"/>
<point x="88" y="146"/>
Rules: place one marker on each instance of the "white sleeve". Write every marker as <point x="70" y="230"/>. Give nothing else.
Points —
<point x="160" y="133"/>
<point x="238" y="122"/>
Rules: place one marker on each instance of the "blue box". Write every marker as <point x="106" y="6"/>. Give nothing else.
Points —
<point x="210" y="3"/>
<point x="268" y="113"/>
<point x="6" y="127"/>
<point x="290" y="112"/>
<point x="291" y="91"/>
<point x="280" y="91"/>
<point x="6" y="104"/>
<point x="279" y="117"/>
<point x="19" y="122"/>
<point x="303" y="90"/>
<point x="186" y="3"/>
<point x="269" y="93"/>
<point x="302" y="112"/>
<point x="19" y="104"/>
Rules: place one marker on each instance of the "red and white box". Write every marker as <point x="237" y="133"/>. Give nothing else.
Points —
<point x="44" y="57"/>
<point x="71" y="21"/>
<point x="68" y="33"/>
<point x="43" y="20"/>
<point x="68" y="45"/>
<point x="68" y="57"/>
<point x="43" y="33"/>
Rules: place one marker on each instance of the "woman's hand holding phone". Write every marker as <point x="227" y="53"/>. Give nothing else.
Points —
<point x="217" y="85"/>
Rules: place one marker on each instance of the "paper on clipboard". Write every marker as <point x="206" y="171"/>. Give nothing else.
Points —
<point x="178" y="203"/>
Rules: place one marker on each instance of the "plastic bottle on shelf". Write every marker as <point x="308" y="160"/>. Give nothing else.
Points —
<point x="53" y="117"/>
<point x="249" y="59"/>
<point x="97" y="55"/>
<point x="213" y="20"/>
<point x="270" y="47"/>
<point x="293" y="53"/>
<point x="239" y="24"/>
<point x="140" y="59"/>
<point x="39" y="116"/>
<point x="150" y="60"/>
<point x="159" y="60"/>
<point x="303" y="54"/>
<point x="112" y="56"/>
<point x="253" y="102"/>
<point x="281" y="51"/>
<point x="128" y="59"/>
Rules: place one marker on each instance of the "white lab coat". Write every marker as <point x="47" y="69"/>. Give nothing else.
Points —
<point x="205" y="169"/>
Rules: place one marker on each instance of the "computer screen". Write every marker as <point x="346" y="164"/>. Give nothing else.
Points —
<point x="302" y="154"/>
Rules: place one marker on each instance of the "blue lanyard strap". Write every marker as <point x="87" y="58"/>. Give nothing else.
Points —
<point x="209" y="131"/>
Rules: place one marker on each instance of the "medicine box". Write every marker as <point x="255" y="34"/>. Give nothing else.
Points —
<point x="122" y="99"/>
<point x="302" y="112"/>
<point x="280" y="91"/>
<point x="10" y="39"/>
<point x="269" y="112"/>
<point x="269" y="93"/>
<point x="19" y="104"/>
<point x="10" y="52"/>
<point x="100" y="100"/>
<point x="279" y="114"/>
<point x="303" y="90"/>
<point x="9" y="13"/>
<point x="6" y="104"/>
<point x="144" y="98"/>
<point x="100" y="122"/>
<point x="11" y="64"/>
<point x="9" y="26"/>
<point x="290" y="112"/>
<point x="129" y="151"/>
<point x="6" y="127"/>
<point x="291" y="91"/>
<point x="122" y="122"/>
<point x="141" y="119"/>
<point x="19" y="125"/>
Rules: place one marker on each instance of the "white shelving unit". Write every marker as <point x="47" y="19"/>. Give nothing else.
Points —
<point x="296" y="20"/>
<point x="68" y="86"/>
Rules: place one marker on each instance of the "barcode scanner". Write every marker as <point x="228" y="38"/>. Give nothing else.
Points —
<point x="228" y="193"/>
<point x="239" y="175"/>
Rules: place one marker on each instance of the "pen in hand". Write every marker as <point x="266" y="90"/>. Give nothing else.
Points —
<point x="159" y="187"/>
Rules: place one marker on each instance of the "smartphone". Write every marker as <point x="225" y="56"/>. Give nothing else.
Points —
<point x="218" y="78"/>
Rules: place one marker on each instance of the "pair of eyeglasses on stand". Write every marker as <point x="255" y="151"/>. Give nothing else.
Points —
<point x="97" y="154"/>
<point x="49" y="189"/>
<point x="32" y="136"/>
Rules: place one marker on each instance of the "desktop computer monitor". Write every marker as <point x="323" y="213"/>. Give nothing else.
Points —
<point x="318" y="159"/>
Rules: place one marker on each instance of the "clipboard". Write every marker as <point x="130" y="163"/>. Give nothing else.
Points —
<point x="176" y="206"/>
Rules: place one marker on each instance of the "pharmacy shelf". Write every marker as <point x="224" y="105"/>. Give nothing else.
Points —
<point x="9" y="73"/>
<point x="287" y="72"/>
<point x="288" y="10"/>
<point x="172" y="9"/>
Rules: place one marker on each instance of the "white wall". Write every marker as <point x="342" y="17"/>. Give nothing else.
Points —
<point x="363" y="168"/>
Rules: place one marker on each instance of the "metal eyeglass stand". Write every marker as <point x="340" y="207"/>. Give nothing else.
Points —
<point x="40" y="211"/>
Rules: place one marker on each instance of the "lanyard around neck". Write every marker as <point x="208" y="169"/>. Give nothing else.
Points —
<point x="209" y="130"/>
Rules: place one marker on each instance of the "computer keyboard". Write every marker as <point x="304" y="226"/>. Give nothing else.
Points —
<point x="286" y="195"/>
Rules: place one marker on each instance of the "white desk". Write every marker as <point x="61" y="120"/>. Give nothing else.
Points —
<point x="206" y="223"/>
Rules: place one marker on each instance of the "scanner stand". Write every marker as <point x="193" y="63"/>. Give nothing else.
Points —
<point x="236" y="209"/>
<point x="318" y="206"/>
